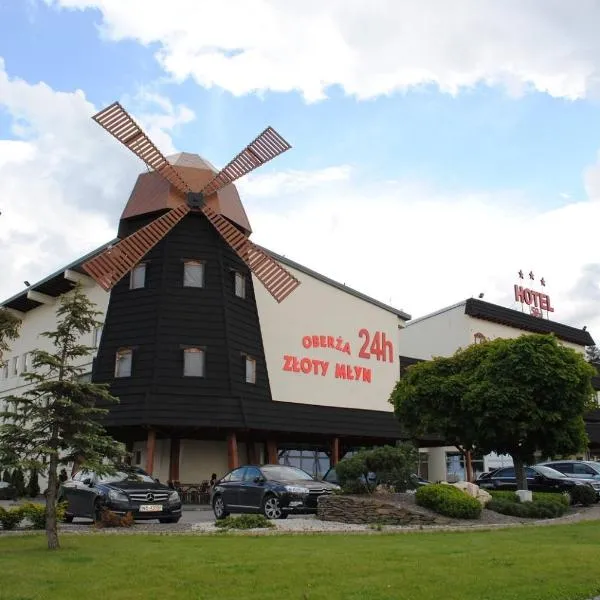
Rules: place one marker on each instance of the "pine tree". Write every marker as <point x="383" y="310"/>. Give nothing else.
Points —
<point x="18" y="482"/>
<point x="7" y="478"/>
<point x="592" y="355"/>
<point x="33" y="485"/>
<point x="9" y="330"/>
<point x="57" y="419"/>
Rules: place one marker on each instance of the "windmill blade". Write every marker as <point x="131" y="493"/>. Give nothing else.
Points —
<point x="119" y="123"/>
<point x="264" y="148"/>
<point x="279" y="282"/>
<point x="110" y="266"/>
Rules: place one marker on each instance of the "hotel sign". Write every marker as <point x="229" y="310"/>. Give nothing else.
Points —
<point x="538" y="302"/>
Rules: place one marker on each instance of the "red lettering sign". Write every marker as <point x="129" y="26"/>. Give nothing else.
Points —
<point x="533" y="298"/>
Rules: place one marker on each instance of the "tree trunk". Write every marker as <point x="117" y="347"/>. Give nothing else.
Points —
<point x="51" y="529"/>
<point x="469" y="466"/>
<point x="520" y="473"/>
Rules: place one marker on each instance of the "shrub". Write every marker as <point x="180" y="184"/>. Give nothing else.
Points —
<point x="543" y="496"/>
<point x="448" y="500"/>
<point x="110" y="519"/>
<point x="245" y="522"/>
<point x="10" y="518"/>
<point x="6" y="477"/>
<point x="33" y="486"/>
<point x="583" y="494"/>
<point x="388" y="465"/>
<point x="538" y="509"/>
<point x="36" y="513"/>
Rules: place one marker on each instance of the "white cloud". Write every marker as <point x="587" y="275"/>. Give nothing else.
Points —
<point x="421" y="249"/>
<point x="64" y="183"/>
<point x="367" y="48"/>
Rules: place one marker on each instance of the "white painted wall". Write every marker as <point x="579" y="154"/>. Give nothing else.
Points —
<point x="318" y="309"/>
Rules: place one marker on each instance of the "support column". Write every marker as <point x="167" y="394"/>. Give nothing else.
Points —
<point x="335" y="451"/>
<point x="436" y="464"/>
<point x="232" y="451"/>
<point x="174" y="459"/>
<point x="272" y="452"/>
<point x="129" y="449"/>
<point x="252" y="454"/>
<point x="150" y="447"/>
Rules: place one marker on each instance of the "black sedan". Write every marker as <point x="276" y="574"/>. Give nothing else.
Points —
<point x="273" y="490"/>
<point x="539" y="479"/>
<point x="129" y="490"/>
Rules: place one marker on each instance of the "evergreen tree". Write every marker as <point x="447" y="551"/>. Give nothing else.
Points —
<point x="7" y="478"/>
<point x="592" y="355"/>
<point x="18" y="482"/>
<point x="33" y="486"/>
<point x="57" y="419"/>
<point x="9" y="330"/>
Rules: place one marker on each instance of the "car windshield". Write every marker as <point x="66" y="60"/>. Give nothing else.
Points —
<point x="549" y="472"/>
<point x="281" y="473"/>
<point x="121" y="476"/>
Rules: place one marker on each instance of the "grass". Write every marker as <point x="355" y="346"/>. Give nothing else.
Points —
<point x="532" y="563"/>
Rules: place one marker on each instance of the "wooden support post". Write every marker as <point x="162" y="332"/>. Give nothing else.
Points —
<point x="150" y="447"/>
<point x="335" y="451"/>
<point x="272" y="458"/>
<point x="232" y="451"/>
<point x="252" y="454"/>
<point x="174" y="459"/>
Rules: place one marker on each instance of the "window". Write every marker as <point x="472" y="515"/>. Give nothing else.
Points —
<point x="237" y="475"/>
<point x="27" y="361"/>
<point x="251" y="474"/>
<point x="193" y="362"/>
<point x="14" y="365"/>
<point x="580" y="469"/>
<point x="240" y="285"/>
<point x="250" y="369"/>
<point x="193" y="273"/>
<point x="123" y="362"/>
<point x="97" y="336"/>
<point x="137" y="279"/>
<point x="5" y="371"/>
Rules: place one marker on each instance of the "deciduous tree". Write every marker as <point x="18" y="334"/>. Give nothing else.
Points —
<point x="57" y="419"/>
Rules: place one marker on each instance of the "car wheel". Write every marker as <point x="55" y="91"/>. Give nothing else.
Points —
<point x="219" y="507"/>
<point x="271" y="507"/>
<point x="169" y="520"/>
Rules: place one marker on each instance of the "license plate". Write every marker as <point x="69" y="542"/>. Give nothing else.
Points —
<point x="151" y="508"/>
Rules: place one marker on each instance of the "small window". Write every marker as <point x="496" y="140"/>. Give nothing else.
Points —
<point x="193" y="273"/>
<point x="193" y="362"/>
<point x="137" y="278"/>
<point x="251" y="474"/>
<point x="97" y="336"/>
<point x="123" y="363"/>
<point x="237" y="474"/>
<point x="14" y="365"/>
<point x="250" y="370"/>
<point x="5" y="371"/>
<point x="240" y="285"/>
<point x="27" y="361"/>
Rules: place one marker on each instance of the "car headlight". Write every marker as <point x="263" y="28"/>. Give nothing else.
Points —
<point x="117" y="496"/>
<point x="174" y="497"/>
<point x="295" y="489"/>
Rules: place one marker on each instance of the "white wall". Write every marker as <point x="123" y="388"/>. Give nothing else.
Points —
<point x="318" y="309"/>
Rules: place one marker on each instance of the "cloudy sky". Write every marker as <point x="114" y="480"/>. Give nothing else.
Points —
<point x="438" y="147"/>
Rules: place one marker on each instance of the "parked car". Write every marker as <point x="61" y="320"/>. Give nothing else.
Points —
<point x="7" y="491"/>
<point x="129" y="490"/>
<point x="331" y="477"/>
<point x="578" y="469"/>
<point x="273" y="490"/>
<point x="539" y="479"/>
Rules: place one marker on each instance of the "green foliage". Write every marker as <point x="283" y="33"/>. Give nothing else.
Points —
<point x="9" y="330"/>
<point x="391" y="465"/>
<point x="10" y="518"/>
<point x="509" y="396"/>
<point x="33" y="486"/>
<point x="448" y="500"/>
<point x="248" y="521"/>
<point x="541" y="508"/>
<point x="18" y="482"/>
<point x="583" y="494"/>
<point x="537" y="496"/>
<point x="7" y="477"/>
<point x="36" y="513"/>
<point x="110" y="519"/>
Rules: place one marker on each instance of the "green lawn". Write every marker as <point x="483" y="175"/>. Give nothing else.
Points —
<point x="545" y="563"/>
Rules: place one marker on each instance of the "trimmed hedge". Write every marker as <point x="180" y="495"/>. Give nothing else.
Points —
<point x="537" y="496"/>
<point x="538" y="509"/>
<point x="448" y="500"/>
<point x="245" y="521"/>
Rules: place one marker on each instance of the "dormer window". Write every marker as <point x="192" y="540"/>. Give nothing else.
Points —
<point x="240" y="284"/>
<point x="137" y="278"/>
<point x="123" y="362"/>
<point x="193" y="273"/>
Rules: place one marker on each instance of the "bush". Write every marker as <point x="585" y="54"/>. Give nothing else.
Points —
<point x="245" y="522"/>
<point x="538" y="509"/>
<point x="6" y="477"/>
<point x="583" y="494"/>
<point x="388" y="465"/>
<point x="543" y="496"/>
<point x="33" y="486"/>
<point x="448" y="500"/>
<point x="10" y="518"/>
<point x="36" y="513"/>
<point x="110" y="519"/>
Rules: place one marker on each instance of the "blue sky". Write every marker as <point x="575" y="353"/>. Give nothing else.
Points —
<point x="519" y="130"/>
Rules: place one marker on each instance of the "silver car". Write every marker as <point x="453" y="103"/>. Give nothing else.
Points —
<point x="578" y="469"/>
